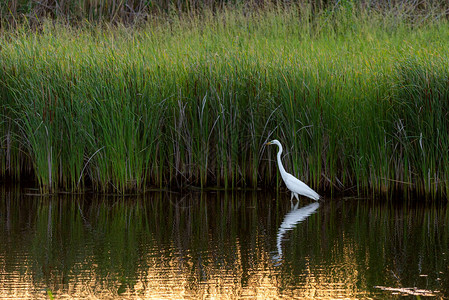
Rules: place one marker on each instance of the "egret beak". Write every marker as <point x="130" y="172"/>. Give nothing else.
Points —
<point x="268" y="143"/>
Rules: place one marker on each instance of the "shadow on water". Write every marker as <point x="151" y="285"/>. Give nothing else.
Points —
<point x="199" y="245"/>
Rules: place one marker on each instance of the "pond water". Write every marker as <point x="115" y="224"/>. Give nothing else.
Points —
<point x="220" y="245"/>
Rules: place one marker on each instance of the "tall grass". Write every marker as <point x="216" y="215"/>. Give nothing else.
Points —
<point x="358" y="98"/>
<point x="12" y="12"/>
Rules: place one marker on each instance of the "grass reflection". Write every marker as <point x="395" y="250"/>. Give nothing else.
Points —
<point x="197" y="245"/>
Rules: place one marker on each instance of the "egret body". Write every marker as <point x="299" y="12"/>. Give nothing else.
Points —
<point x="296" y="186"/>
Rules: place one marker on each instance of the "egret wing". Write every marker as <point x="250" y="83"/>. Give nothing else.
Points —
<point x="297" y="186"/>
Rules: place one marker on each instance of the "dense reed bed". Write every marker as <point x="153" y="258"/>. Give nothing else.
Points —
<point x="133" y="12"/>
<point x="358" y="98"/>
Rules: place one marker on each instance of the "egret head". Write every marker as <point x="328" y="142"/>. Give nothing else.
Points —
<point x="274" y="142"/>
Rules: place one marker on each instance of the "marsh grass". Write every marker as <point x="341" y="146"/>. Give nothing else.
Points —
<point x="132" y="12"/>
<point x="360" y="101"/>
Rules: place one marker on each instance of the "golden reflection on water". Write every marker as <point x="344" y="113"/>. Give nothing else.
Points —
<point x="172" y="276"/>
<point x="174" y="281"/>
<point x="100" y="254"/>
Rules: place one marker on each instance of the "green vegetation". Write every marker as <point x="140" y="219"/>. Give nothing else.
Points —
<point x="140" y="11"/>
<point x="359" y="98"/>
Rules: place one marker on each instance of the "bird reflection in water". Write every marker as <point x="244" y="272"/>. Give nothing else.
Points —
<point x="292" y="218"/>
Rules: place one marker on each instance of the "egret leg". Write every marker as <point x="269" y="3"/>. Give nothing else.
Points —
<point x="297" y="197"/>
<point x="291" y="199"/>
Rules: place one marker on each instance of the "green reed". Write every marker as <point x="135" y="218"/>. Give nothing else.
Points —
<point x="359" y="100"/>
<point x="130" y="12"/>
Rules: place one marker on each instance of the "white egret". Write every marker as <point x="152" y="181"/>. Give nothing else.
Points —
<point x="296" y="186"/>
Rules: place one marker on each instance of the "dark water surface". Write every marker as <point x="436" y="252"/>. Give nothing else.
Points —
<point x="220" y="245"/>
